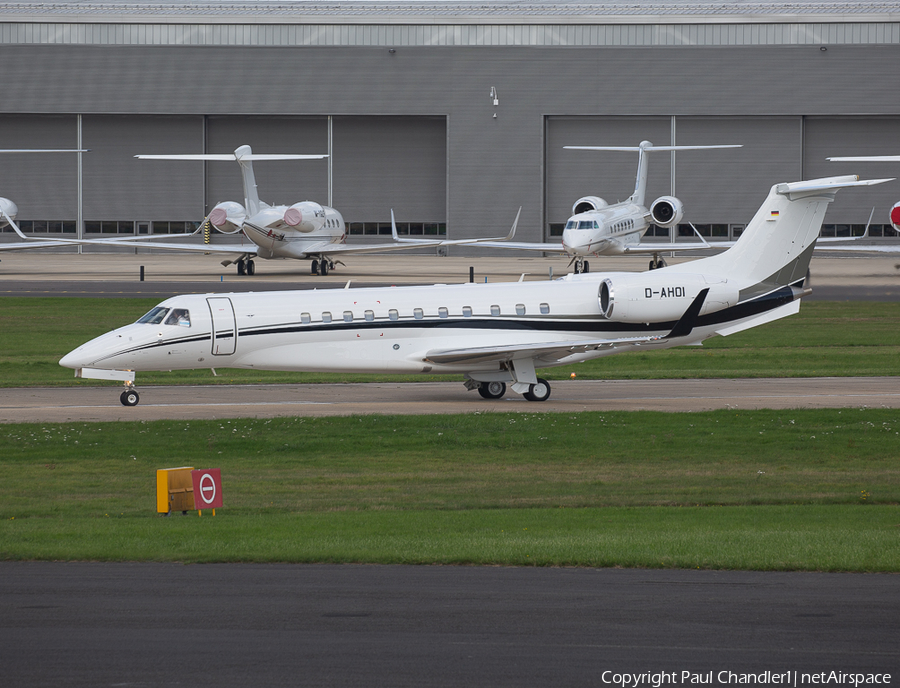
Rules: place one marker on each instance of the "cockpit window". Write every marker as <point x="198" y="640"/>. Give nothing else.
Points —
<point x="180" y="317"/>
<point x="154" y="317"/>
<point x="586" y="224"/>
<point x="571" y="224"/>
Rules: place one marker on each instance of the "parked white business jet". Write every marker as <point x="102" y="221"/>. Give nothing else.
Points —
<point x="894" y="215"/>
<point x="597" y="228"/>
<point x="494" y="334"/>
<point x="305" y="230"/>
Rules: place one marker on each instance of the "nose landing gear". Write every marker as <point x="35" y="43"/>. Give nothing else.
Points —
<point x="130" y="396"/>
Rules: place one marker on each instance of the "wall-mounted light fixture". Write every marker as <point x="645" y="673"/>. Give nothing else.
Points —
<point x="823" y="49"/>
<point x="392" y="51"/>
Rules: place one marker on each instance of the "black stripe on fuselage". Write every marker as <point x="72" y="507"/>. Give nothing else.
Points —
<point x="761" y="304"/>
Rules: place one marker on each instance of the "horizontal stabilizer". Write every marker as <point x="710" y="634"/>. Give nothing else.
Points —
<point x="636" y="149"/>
<point x="231" y="157"/>
<point x="869" y="158"/>
<point x="826" y="184"/>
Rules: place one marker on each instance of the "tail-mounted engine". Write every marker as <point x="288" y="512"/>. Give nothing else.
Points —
<point x="583" y="205"/>
<point x="9" y="211"/>
<point x="895" y="216"/>
<point x="228" y="217"/>
<point x="658" y="297"/>
<point x="666" y="211"/>
<point x="305" y="216"/>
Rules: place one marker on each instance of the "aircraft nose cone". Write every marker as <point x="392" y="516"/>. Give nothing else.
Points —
<point x="73" y="359"/>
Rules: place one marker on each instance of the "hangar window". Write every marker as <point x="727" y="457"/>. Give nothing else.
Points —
<point x="348" y="316"/>
<point x="155" y="316"/>
<point x="305" y="319"/>
<point x="180" y="317"/>
<point x="418" y="313"/>
<point x="326" y="317"/>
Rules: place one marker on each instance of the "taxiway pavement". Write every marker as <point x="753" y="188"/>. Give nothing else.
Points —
<point x="55" y="405"/>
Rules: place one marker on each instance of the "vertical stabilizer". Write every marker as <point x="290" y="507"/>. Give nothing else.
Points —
<point x="640" y="182"/>
<point x="251" y="195"/>
<point x="775" y="249"/>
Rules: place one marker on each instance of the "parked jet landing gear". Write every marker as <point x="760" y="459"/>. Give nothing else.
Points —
<point x="582" y="266"/>
<point x="656" y="263"/>
<point x="246" y="267"/>
<point x="321" y="267"/>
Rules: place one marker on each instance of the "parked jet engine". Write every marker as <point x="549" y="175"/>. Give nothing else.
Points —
<point x="8" y="211"/>
<point x="583" y="205"/>
<point x="306" y="216"/>
<point x="895" y="216"/>
<point x="661" y="297"/>
<point x="228" y="217"/>
<point x="667" y="211"/>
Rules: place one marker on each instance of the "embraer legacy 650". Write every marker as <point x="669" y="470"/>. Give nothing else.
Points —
<point x="494" y="334"/>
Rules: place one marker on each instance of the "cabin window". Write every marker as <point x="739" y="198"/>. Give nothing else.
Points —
<point x="467" y="311"/>
<point x="370" y="316"/>
<point x="443" y="312"/>
<point x="418" y="313"/>
<point x="348" y="316"/>
<point x="520" y="309"/>
<point x="305" y="318"/>
<point x="495" y="310"/>
<point x="393" y="314"/>
<point x="545" y="309"/>
<point x="154" y="317"/>
<point x="180" y="317"/>
<point x="326" y="317"/>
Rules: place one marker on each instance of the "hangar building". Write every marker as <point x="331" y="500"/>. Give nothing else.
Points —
<point x="452" y="112"/>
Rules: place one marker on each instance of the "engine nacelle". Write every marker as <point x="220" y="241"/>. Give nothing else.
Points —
<point x="895" y="216"/>
<point x="583" y="205"/>
<point x="9" y="211"/>
<point x="657" y="297"/>
<point x="228" y="217"/>
<point x="306" y="216"/>
<point x="666" y="211"/>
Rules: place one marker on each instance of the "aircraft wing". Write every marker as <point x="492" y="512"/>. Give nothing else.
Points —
<point x="36" y="243"/>
<point x="550" y="352"/>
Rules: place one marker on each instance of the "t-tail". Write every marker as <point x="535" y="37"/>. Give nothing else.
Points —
<point x="775" y="248"/>
<point x="640" y="183"/>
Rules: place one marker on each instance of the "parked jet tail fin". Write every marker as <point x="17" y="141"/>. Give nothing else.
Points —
<point x="640" y="183"/>
<point x="244" y="157"/>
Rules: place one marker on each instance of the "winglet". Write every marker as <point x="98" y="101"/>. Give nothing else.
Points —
<point x="12" y="223"/>
<point x="686" y="324"/>
<point x="512" y="230"/>
<point x="394" y="227"/>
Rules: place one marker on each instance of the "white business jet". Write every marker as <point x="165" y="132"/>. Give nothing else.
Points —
<point x="494" y="334"/>
<point x="894" y="214"/>
<point x="305" y="230"/>
<point x="597" y="228"/>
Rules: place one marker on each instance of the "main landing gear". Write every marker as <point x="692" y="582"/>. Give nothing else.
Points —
<point x="656" y="262"/>
<point x="320" y="267"/>
<point x="246" y="267"/>
<point x="496" y="390"/>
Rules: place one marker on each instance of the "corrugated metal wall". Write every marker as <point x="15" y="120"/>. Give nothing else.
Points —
<point x="458" y="35"/>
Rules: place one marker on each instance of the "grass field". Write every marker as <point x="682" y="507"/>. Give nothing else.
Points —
<point x="825" y="339"/>
<point x="803" y="489"/>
